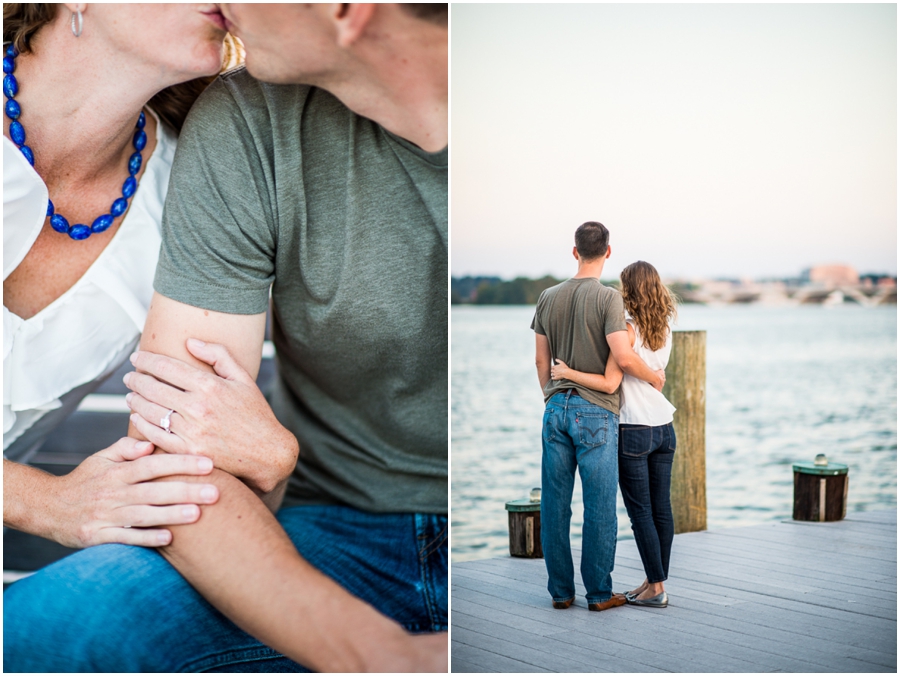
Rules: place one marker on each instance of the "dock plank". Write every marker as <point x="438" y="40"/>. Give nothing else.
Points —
<point x="718" y="585"/>
<point x="487" y="661"/>
<point x="844" y="620"/>
<point x="863" y="601"/>
<point x="776" y="597"/>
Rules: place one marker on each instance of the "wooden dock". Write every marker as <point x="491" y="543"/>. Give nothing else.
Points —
<point x="790" y="596"/>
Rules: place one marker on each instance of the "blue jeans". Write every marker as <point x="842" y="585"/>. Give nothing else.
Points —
<point x="579" y="434"/>
<point x="117" y="608"/>
<point x="645" y="472"/>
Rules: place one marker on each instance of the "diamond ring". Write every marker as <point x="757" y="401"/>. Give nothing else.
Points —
<point x="166" y="421"/>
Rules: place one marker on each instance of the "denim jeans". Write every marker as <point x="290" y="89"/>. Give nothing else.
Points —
<point x="645" y="472"/>
<point x="579" y="434"/>
<point x="117" y="608"/>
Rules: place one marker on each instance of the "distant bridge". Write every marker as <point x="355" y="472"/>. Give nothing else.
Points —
<point x="804" y="295"/>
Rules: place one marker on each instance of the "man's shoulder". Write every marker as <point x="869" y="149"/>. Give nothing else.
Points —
<point x="586" y="286"/>
<point x="260" y="105"/>
<point x="551" y="291"/>
<point x="607" y="292"/>
<point x="609" y="301"/>
<point x="548" y="294"/>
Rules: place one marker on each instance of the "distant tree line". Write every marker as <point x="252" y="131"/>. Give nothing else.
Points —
<point x="495" y="291"/>
<point x="465" y="289"/>
<point x="522" y="290"/>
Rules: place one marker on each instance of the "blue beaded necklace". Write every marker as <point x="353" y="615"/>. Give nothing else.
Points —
<point x="17" y="133"/>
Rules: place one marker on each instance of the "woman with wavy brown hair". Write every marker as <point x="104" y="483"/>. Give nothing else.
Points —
<point x="646" y="434"/>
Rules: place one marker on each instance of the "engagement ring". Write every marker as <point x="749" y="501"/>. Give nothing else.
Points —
<point x="167" y="421"/>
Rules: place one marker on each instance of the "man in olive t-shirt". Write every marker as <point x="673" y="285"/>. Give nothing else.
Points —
<point x="347" y="223"/>
<point x="580" y="322"/>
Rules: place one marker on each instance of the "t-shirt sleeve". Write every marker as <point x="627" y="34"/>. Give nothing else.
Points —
<point x="615" y="314"/>
<point x="536" y="321"/>
<point x="218" y="226"/>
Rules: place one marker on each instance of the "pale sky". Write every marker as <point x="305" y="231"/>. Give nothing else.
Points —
<point x="712" y="140"/>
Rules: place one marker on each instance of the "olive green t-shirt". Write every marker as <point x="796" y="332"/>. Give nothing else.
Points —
<point x="576" y="316"/>
<point x="283" y="186"/>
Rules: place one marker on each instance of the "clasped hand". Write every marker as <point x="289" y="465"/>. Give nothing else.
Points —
<point x="221" y="415"/>
<point x="558" y="370"/>
<point x="113" y="490"/>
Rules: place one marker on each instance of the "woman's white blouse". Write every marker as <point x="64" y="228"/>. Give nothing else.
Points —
<point x="641" y="403"/>
<point x="84" y="334"/>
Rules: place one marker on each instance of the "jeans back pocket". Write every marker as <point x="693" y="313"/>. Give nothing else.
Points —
<point x="549" y="427"/>
<point x="635" y="440"/>
<point x="592" y="428"/>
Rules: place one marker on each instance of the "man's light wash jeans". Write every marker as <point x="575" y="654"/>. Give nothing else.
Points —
<point x="579" y="434"/>
<point x="117" y="608"/>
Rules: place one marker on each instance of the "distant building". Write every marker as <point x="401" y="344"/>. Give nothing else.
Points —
<point x="834" y="275"/>
<point x="875" y="279"/>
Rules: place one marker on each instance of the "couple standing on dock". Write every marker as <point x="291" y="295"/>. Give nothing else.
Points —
<point x="584" y="343"/>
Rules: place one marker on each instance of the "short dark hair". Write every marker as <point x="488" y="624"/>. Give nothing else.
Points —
<point x="435" y="12"/>
<point x="591" y="240"/>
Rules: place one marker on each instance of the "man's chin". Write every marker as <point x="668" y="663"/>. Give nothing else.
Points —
<point x="266" y="72"/>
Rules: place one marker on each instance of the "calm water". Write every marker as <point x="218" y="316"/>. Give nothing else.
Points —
<point x="783" y="383"/>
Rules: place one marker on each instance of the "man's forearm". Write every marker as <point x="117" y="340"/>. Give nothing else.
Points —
<point x="542" y="358"/>
<point x="637" y="368"/>
<point x="629" y="360"/>
<point x="293" y="607"/>
<point x="273" y="499"/>
<point x="543" y="371"/>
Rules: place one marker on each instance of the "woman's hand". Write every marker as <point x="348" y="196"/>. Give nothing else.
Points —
<point x="559" y="370"/>
<point x="220" y="415"/>
<point x="661" y="374"/>
<point x="107" y="498"/>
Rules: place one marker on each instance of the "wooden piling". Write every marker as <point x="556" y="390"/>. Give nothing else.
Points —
<point x="686" y="388"/>
<point x="820" y="491"/>
<point x="525" y="529"/>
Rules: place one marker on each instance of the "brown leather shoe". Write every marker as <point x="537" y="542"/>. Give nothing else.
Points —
<point x="562" y="605"/>
<point x="612" y="602"/>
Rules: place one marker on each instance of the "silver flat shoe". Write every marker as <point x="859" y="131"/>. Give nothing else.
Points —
<point x="658" y="601"/>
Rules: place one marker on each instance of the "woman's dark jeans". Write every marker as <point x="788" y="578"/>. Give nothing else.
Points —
<point x="645" y="472"/>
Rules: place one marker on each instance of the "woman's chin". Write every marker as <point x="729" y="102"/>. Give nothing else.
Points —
<point x="207" y="60"/>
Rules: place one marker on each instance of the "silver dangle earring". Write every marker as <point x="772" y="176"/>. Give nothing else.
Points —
<point x="77" y="23"/>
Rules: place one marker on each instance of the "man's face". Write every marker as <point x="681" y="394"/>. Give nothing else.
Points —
<point x="285" y="42"/>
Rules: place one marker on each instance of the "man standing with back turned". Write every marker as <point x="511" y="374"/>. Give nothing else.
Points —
<point x="581" y="322"/>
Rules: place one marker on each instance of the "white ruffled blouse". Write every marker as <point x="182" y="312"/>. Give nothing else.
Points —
<point x="640" y="403"/>
<point x="85" y="334"/>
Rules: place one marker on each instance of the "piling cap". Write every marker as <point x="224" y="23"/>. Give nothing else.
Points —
<point x="827" y="469"/>
<point x="525" y="505"/>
